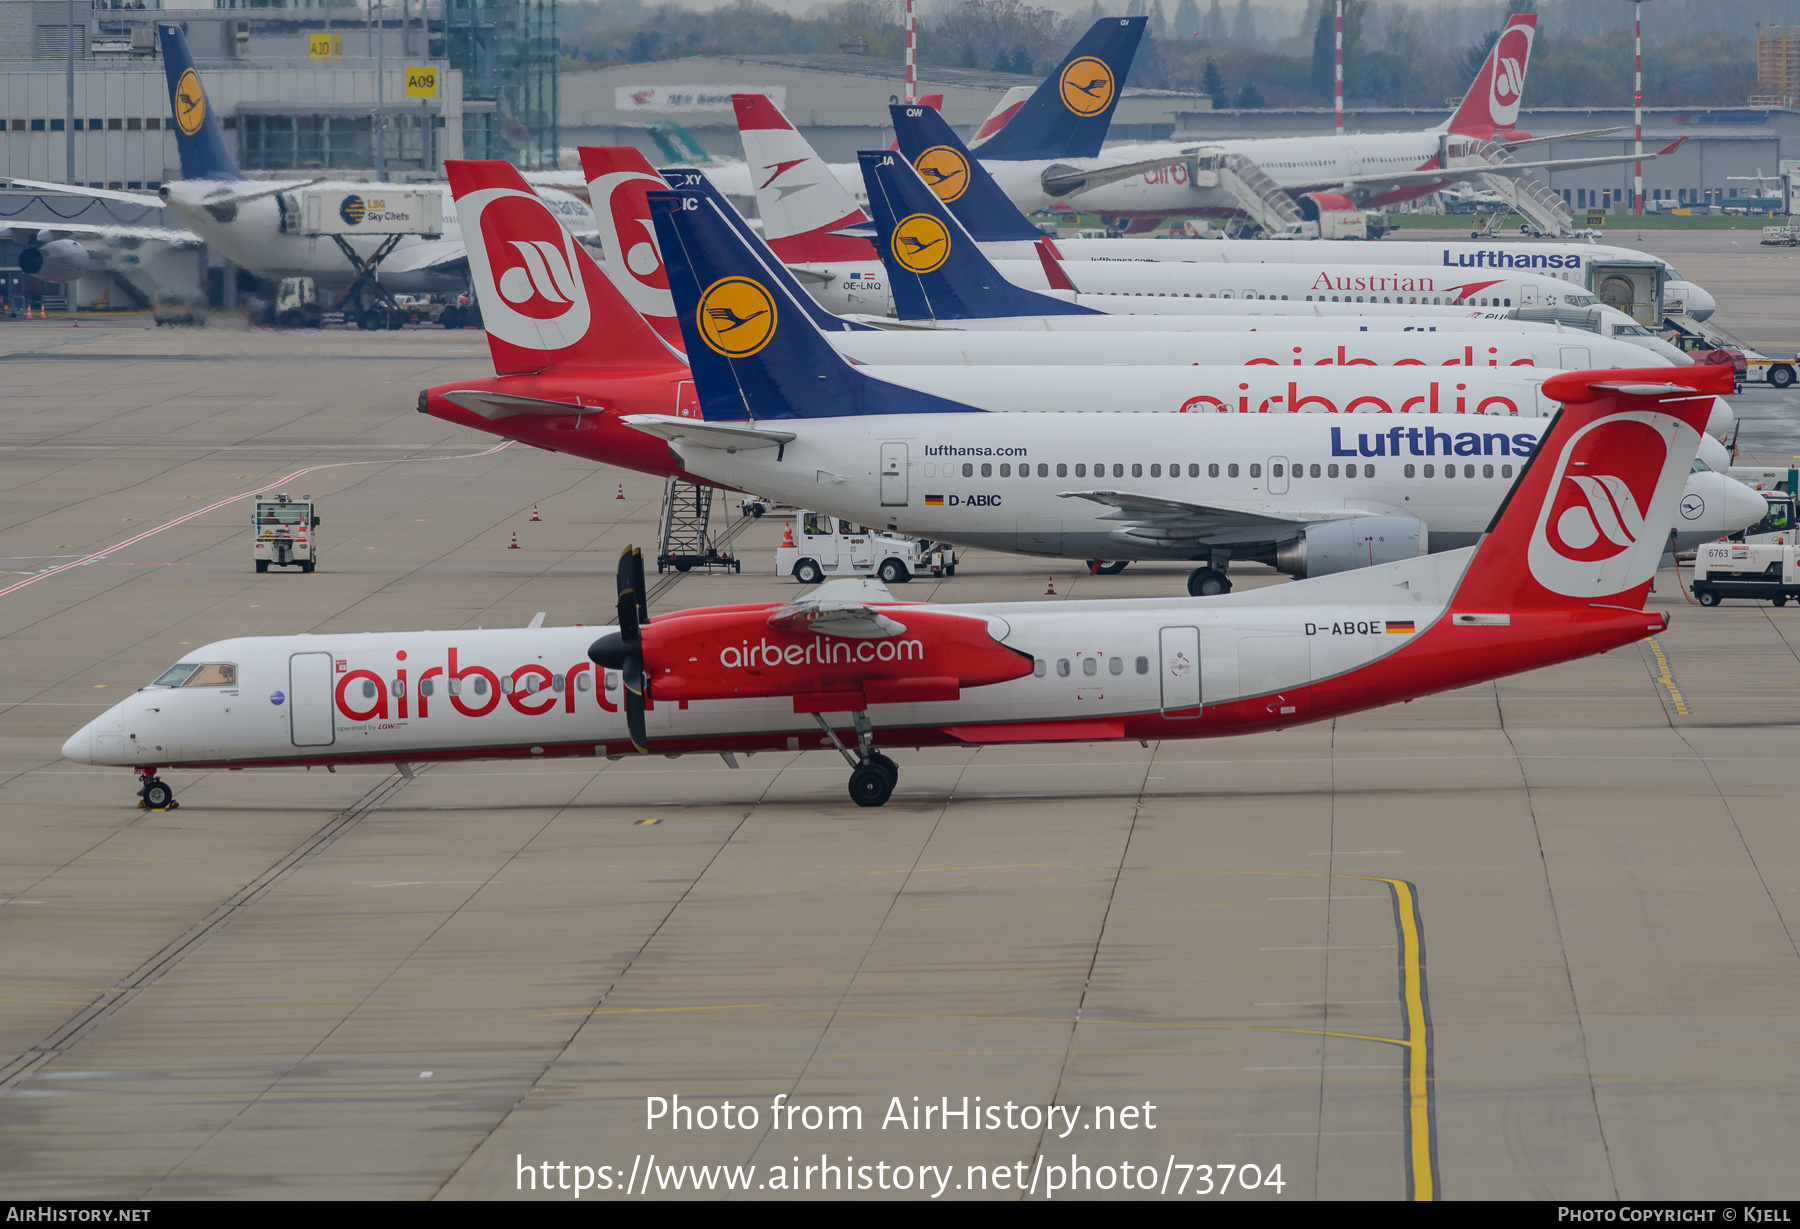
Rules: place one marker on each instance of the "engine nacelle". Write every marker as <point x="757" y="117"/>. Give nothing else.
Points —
<point x="62" y="261"/>
<point x="1341" y="546"/>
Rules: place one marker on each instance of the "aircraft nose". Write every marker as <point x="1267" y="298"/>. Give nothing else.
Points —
<point x="1722" y="419"/>
<point x="80" y="747"/>
<point x="1743" y="506"/>
<point x="1700" y="305"/>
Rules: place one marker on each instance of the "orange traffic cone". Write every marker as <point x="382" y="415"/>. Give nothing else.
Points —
<point x="787" y="533"/>
<point x="621" y="490"/>
<point x="515" y="541"/>
<point x="534" y="514"/>
<point x="1050" y="589"/>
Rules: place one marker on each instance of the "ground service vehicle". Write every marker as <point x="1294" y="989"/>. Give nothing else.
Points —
<point x="1752" y="571"/>
<point x="827" y="546"/>
<point x="285" y="533"/>
<point x="297" y="304"/>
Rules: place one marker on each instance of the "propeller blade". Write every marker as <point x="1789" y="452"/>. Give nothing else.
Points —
<point x="630" y="587"/>
<point x="634" y="703"/>
<point x="637" y="585"/>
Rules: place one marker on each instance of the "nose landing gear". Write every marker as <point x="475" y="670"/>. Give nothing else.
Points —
<point x="153" y="793"/>
<point x="872" y="774"/>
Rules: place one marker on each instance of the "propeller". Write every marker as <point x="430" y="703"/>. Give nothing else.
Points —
<point x="623" y="650"/>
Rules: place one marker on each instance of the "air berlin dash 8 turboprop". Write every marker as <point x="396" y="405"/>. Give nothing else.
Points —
<point x="1562" y="573"/>
<point x="786" y="416"/>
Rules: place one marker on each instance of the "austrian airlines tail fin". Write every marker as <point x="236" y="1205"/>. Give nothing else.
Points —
<point x="753" y="351"/>
<point x="1492" y="103"/>
<point x="936" y="271"/>
<point x="689" y="180"/>
<point x="198" y="139"/>
<point x="1589" y="517"/>
<point x="544" y="301"/>
<point x="956" y="177"/>
<point x="800" y="200"/>
<point x="1068" y="115"/>
<point x="619" y="177"/>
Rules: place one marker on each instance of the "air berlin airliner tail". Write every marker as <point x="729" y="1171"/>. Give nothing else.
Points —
<point x="545" y="303"/>
<point x="1492" y="103"/>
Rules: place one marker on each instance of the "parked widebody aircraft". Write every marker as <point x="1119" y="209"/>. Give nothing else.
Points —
<point x="788" y="417"/>
<point x="936" y="273"/>
<point x="1562" y="572"/>
<point x="256" y="223"/>
<point x="960" y="180"/>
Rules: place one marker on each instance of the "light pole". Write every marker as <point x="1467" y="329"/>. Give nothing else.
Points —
<point x="69" y="113"/>
<point x="1338" y="70"/>
<point x="1637" y="105"/>
<point x="912" y="72"/>
<point x="380" y="93"/>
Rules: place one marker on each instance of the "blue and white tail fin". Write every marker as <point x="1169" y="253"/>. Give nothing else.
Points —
<point x="752" y="347"/>
<point x="1069" y="114"/>
<point x="936" y="271"/>
<point x="687" y="179"/>
<point x="956" y="177"/>
<point x="198" y="138"/>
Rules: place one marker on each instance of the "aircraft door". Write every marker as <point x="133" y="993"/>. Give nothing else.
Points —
<point x="1576" y="358"/>
<point x="1278" y="476"/>
<point x="893" y="475"/>
<point x="311" y="719"/>
<point x="1528" y="295"/>
<point x="1180" y="658"/>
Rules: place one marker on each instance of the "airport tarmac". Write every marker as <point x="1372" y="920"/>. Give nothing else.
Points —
<point x="1534" y="939"/>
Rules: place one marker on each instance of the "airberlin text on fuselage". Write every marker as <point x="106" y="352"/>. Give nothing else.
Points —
<point x="473" y="691"/>
<point x="1295" y="403"/>
<point x="819" y="652"/>
<point x="1343" y="359"/>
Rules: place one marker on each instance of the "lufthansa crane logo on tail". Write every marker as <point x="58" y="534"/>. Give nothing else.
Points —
<point x="920" y="243"/>
<point x="1591" y="538"/>
<point x="1086" y="86"/>
<point x="736" y="317"/>
<point x="190" y="102"/>
<point x="945" y="171"/>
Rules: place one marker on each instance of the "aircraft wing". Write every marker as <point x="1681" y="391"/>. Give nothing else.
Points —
<point x="261" y="188"/>
<point x="1158" y="518"/>
<point x="75" y="189"/>
<point x="430" y="254"/>
<point x="1402" y="179"/>
<point x="28" y="233"/>
<point x="1061" y="179"/>
<point x="1565" y="136"/>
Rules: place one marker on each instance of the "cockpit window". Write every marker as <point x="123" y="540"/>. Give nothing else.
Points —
<point x="198" y="674"/>
<point x="1631" y="330"/>
<point x="1700" y="467"/>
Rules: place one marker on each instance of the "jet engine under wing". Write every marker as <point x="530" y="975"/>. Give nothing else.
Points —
<point x="1158" y="519"/>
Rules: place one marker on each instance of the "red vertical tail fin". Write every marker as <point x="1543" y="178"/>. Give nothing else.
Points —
<point x="544" y="302"/>
<point x="1492" y="103"/>
<point x="619" y="181"/>
<point x="1590" y="515"/>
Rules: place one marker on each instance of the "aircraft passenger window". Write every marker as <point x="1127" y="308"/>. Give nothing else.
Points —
<point x="1024" y="471"/>
<point x="1005" y="471"/>
<point x="1431" y="471"/>
<point x="1194" y="470"/>
<point x="1062" y="470"/>
<point x="1315" y="469"/>
<point x="399" y="689"/>
<point x="426" y="689"/>
<point x="1255" y="470"/>
<point x="480" y="685"/>
<point x="1506" y="471"/>
<point x="968" y="470"/>
<point x="1143" y="665"/>
<point x="1212" y="470"/>
<point x="1039" y="667"/>
<point x="507" y="684"/>
<point x="1115" y="665"/>
<point x="1331" y="471"/>
<point x="1090" y="665"/>
<point x="1118" y="470"/>
<point x="1155" y="470"/>
<point x="930" y="470"/>
<point x="583" y="682"/>
<point x="1044" y="470"/>
<point x="1230" y="470"/>
<point x="1487" y="471"/>
<point x="1468" y="471"/>
<point x="369" y="689"/>
<point x="1409" y="471"/>
<point x="1062" y="667"/>
<point x="1349" y="471"/>
<point x="1506" y="302"/>
<point x="1274" y="471"/>
<point x="987" y="471"/>
<point x="1368" y="471"/>
<point x="556" y="682"/>
<point x="612" y="681"/>
<point x="1449" y="471"/>
<point x="1081" y="471"/>
<point x="1137" y="471"/>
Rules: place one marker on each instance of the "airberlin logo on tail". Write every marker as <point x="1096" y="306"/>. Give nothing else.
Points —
<point x="1511" y="55"/>
<point x="920" y="243"/>
<point x="945" y="171"/>
<point x="1086" y="86"/>
<point x="1591" y="538"/>
<point x="628" y="238"/>
<point x="736" y="317"/>
<point x="526" y="270"/>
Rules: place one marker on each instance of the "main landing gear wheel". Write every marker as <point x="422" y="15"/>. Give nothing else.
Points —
<point x="1205" y="582"/>
<point x="872" y="774"/>
<point x="878" y="760"/>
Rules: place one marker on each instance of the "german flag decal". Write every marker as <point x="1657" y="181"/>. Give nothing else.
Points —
<point x="1403" y="626"/>
<point x="934" y="501"/>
